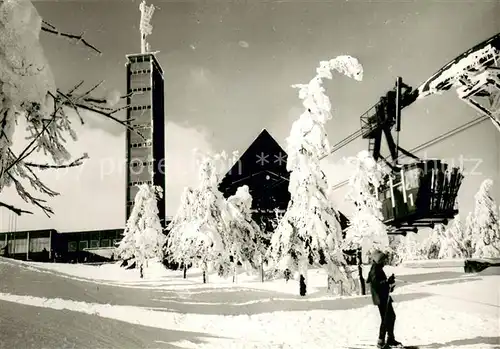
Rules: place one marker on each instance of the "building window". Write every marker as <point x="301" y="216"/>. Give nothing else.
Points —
<point x="141" y="182"/>
<point x="140" y="107"/>
<point x="21" y="243"/>
<point x="82" y="245"/>
<point x="72" y="246"/>
<point x="142" y="126"/>
<point x="146" y="144"/>
<point x="38" y="244"/>
<point x="140" y="89"/>
<point x="144" y="164"/>
<point x="106" y="243"/>
<point x="140" y="72"/>
<point x="94" y="243"/>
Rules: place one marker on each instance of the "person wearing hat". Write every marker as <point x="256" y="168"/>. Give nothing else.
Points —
<point x="381" y="287"/>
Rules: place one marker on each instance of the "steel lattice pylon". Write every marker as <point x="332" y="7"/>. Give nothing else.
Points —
<point x="476" y="76"/>
<point x="482" y="92"/>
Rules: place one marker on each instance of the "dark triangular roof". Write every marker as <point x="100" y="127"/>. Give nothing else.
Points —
<point x="263" y="155"/>
<point x="262" y="161"/>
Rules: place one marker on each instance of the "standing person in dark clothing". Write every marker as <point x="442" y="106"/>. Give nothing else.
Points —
<point x="381" y="287"/>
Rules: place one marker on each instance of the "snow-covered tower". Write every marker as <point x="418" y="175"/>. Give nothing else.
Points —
<point x="145" y="148"/>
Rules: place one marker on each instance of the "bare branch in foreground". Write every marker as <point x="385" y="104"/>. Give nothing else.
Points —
<point x="49" y="28"/>
<point x="14" y="209"/>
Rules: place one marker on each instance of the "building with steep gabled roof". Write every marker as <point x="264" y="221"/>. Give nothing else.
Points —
<point x="262" y="167"/>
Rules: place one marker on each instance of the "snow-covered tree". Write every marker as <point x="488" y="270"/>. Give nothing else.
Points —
<point x="395" y="242"/>
<point x="202" y="235"/>
<point x="432" y="244"/>
<point x="366" y="227"/>
<point x="309" y="232"/>
<point x="179" y="248"/>
<point x="143" y="238"/>
<point x="409" y="248"/>
<point x="29" y="98"/>
<point x="485" y="223"/>
<point x="243" y="243"/>
<point x="450" y="241"/>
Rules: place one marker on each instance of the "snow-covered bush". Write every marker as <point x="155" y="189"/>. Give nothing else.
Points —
<point x="484" y="223"/>
<point x="200" y="230"/>
<point x="143" y="238"/>
<point x="309" y="232"/>
<point x="29" y="97"/>
<point x="366" y="227"/>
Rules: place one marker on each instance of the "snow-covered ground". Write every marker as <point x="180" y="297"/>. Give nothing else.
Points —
<point x="436" y="307"/>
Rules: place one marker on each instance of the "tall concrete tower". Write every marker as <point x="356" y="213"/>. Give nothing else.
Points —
<point x="145" y="144"/>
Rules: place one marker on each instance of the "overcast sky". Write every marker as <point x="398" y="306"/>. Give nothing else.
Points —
<point x="228" y="70"/>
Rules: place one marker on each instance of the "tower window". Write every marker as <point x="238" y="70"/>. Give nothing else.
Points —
<point x="140" y="107"/>
<point x="141" y="182"/>
<point x="146" y="144"/>
<point x="139" y="89"/>
<point x="141" y="71"/>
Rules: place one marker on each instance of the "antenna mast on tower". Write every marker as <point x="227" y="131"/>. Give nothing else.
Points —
<point x="145" y="27"/>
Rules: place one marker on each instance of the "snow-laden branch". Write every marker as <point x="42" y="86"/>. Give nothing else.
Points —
<point x="310" y="128"/>
<point x="74" y="163"/>
<point x="28" y="91"/>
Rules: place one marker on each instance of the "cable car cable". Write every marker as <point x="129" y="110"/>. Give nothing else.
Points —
<point x="431" y="142"/>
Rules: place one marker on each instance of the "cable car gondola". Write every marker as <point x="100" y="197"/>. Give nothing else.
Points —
<point x="418" y="194"/>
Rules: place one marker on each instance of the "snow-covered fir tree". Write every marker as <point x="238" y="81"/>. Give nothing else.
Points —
<point x="309" y="232"/>
<point x="432" y="244"/>
<point x="143" y="238"/>
<point x="450" y="241"/>
<point x="469" y="232"/>
<point x="243" y="241"/>
<point x="201" y="228"/>
<point x="486" y="226"/>
<point x="179" y="247"/>
<point x="394" y="249"/>
<point x="463" y="235"/>
<point x="366" y="228"/>
<point x="31" y="102"/>
<point x="408" y="249"/>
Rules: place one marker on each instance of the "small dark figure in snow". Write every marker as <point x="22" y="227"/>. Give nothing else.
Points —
<point x="381" y="287"/>
<point x="302" y="286"/>
<point x="287" y="274"/>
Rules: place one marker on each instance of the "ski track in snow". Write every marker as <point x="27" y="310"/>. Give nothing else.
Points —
<point x="311" y="329"/>
<point x="450" y="317"/>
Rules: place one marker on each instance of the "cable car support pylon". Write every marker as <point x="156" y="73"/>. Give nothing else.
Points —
<point x="423" y="193"/>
